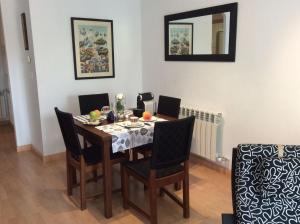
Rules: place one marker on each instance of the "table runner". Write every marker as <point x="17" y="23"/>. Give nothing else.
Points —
<point x="125" y="138"/>
<point x="85" y="119"/>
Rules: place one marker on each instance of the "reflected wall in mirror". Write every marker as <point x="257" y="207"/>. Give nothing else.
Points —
<point x="202" y="35"/>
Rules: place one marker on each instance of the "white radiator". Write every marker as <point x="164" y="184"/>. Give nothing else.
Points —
<point x="4" y="107"/>
<point x="206" y="134"/>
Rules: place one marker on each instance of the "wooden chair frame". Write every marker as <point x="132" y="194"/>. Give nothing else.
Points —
<point x="146" y="154"/>
<point x="153" y="183"/>
<point x="83" y="168"/>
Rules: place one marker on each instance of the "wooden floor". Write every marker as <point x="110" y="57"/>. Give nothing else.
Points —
<point x="32" y="192"/>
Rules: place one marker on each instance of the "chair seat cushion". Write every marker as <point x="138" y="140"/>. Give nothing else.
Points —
<point x="142" y="168"/>
<point x="93" y="155"/>
<point x="281" y="178"/>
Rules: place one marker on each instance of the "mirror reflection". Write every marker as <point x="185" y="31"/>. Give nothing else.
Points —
<point x="200" y="35"/>
<point x="207" y="34"/>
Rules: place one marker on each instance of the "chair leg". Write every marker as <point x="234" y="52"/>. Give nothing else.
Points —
<point x="82" y="184"/>
<point x="95" y="175"/>
<point x="135" y="155"/>
<point x="186" y="194"/>
<point x="147" y="154"/>
<point x="153" y="204"/>
<point x="74" y="176"/>
<point x="69" y="179"/>
<point x="152" y="197"/>
<point x="127" y="153"/>
<point x="85" y="143"/>
<point x="161" y="192"/>
<point x="177" y="186"/>
<point x="125" y="186"/>
<point x="145" y="187"/>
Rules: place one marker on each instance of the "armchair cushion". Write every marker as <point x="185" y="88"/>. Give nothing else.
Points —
<point x="281" y="178"/>
<point x="250" y="205"/>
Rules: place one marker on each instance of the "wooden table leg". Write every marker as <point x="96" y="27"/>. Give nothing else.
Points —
<point x="107" y="178"/>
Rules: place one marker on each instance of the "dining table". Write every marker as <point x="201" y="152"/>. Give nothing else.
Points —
<point x="98" y="137"/>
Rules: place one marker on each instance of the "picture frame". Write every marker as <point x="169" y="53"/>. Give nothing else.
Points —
<point x="93" y="48"/>
<point x="181" y="38"/>
<point x="24" y="29"/>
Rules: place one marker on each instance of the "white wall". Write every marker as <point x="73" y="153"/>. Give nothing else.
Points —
<point x="258" y="94"/>
<point x="51" y="29"/>
<point x="21" y="74"/>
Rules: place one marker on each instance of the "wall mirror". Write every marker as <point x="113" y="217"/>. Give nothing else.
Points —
<point x="207" y="34"/>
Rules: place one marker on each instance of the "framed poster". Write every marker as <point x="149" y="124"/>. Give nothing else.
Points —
<point x="93" y="48"/>
<point x="24" y="29"/>
<point x="180" y="38"/>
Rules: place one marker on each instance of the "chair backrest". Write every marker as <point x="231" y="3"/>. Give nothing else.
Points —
<point x="87" y="103"/>
<point x="67" y="127"/>
<point x="168" y="106"/>
<point x="172" y="142"/>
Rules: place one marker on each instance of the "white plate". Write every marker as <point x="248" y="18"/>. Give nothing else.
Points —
<point x="153" y="118"/>
<point x="97" y="122"/>
<point x="128" y="124"/>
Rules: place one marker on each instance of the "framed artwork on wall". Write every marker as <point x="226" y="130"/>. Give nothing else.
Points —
<point x="93" y="48"/>
<point x="24" y="29"/>
<point x="181" y="38"/>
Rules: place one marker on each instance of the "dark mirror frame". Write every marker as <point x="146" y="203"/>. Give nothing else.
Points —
<point x="232" y="8"/>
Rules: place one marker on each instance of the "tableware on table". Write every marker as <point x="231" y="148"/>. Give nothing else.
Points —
<point x="111" y="117"/>
<point x="138" y="112"/>
<point x="82" y="118"/>
<point x="152" y="119"/>
<point x="105" y="109"/>
<point x="95" y="115"/>
<point x="133" y="119"/>
<point x="120" y="106"/>
<point x="147" y="115"/>
<point x="94" y="123"/>
<point x="129" y="124"/>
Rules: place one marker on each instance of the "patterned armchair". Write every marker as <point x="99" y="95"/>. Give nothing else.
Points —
<point x="265" y="184"/>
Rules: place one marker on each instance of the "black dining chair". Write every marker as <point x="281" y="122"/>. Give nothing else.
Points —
<point x="168" y="164"/>
<point x="85" y="160"/>
<point x="169" y="106"/>
<point x="90" y="102"/>
<point x="87" y="103"/>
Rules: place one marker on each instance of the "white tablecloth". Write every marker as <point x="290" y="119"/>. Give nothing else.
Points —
<point x="126" y="138"/>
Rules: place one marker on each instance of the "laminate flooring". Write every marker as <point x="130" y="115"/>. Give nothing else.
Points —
<point x="32" y="192"/>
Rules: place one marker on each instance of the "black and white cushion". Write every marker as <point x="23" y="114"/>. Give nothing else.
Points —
<point x="281" y="178"/>
<point x="253" y="204"/>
